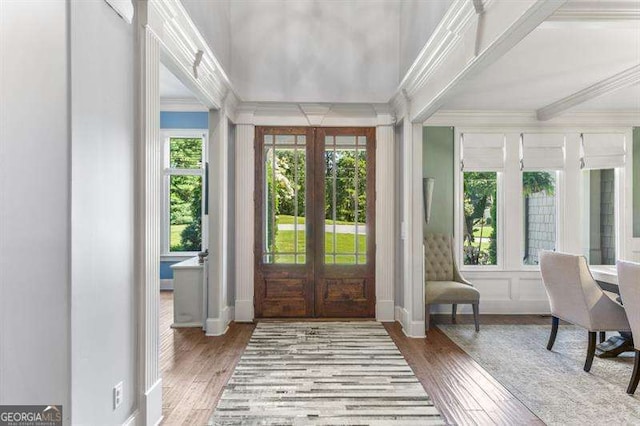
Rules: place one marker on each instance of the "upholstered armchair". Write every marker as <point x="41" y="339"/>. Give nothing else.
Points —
<point x="443" y="282"/>
<point x="575" y="297"/>
<point x="629" y="284"/>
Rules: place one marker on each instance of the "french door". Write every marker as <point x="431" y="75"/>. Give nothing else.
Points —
<point x="315" y="222"/>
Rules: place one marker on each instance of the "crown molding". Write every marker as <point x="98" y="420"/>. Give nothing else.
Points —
<point x="181" y="105"/>
<point x="315" y="113"/>
<point x="477" y="118"/>
<point x="318" y="114"/>
<point x="618" y="81"/>
<point x="186" y="53"/>
<point x="464" y="44"/>
<point x="444" y="38"/>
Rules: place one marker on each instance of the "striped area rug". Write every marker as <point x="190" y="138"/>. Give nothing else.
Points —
<point x="323" y="373"/>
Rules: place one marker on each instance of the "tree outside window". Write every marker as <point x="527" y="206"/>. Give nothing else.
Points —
<point x="480" y="214"/>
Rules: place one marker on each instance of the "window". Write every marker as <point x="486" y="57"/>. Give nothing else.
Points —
<point x="183" y="192"/>
<point x="480" y="227"/>
<point x="600" y="222"/>
<point x="539" y="214"/>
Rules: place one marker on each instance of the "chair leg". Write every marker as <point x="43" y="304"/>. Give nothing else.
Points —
<point x="603" y="336"/>
<point x="635" y="376"/>
<point x="427" y="317"/>
<point x="476" y="315"/>
<point x="554" y="332"/>
<point x="454" y="308"/>
<point x="591" y="350"/>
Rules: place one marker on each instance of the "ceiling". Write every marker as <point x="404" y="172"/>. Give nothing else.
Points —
<point x="171" y="87"/>
<point x="556" y="60"/>
<point x="316" y="50"/>
<point x="357" y="51"/>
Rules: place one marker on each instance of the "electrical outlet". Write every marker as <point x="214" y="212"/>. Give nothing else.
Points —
<point x="117" y="395"/>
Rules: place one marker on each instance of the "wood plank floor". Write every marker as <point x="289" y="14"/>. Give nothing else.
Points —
<point x="195" y="369"/>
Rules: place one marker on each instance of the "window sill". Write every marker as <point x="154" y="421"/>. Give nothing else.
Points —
<point x="177" y="257"/>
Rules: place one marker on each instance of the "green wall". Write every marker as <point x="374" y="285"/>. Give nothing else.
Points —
<point x="636" y="182"/>
<point x="438" y="162"/>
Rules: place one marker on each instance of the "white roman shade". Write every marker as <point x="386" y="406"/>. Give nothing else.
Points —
<point x="482" y="152"/>
<point x="602" y="150"/>
<point x="541" y="151"/>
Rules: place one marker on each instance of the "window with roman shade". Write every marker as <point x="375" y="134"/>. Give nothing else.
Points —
<point x="482" y="152"/>
<point x="602" y="150"/>
<point x="541" y="151"/>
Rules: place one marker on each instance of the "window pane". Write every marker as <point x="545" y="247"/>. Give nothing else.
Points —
<point x="539" y="194"/>
<point x="480" y="214"/>
<point x="600" y="224"/>
<point x="185" y="201"/>
<point x="284" y="231"/>
<point x="185" y="153"/>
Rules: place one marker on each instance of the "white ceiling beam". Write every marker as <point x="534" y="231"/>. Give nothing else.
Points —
<point x="619" y="81"/>
<point x="588" y="11"/>
<point x="450" y="57"/>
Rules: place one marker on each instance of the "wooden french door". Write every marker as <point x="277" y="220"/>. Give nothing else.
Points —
<point x="315" y="222"/>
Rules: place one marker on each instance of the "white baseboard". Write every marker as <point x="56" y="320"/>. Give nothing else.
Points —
<point x="384" y="311"/>
<point x="414" y="329"/>
<point x="153" y="405"/>
<point x="166" y="284"/>
<point x="132" y="420"/>
<point x="244" y="311"/>
<point x="219" y="326"/>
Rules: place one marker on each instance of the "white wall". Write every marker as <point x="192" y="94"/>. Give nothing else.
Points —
<point x="212" y="19"/>
<point x="34" y="204"/>
<point x="418" y="19"/>
<point x="312" y="51"/>
<point x="103" y="310"/>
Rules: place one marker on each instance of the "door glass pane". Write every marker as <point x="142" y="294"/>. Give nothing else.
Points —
<point x="284" y="229"/>
<point x="345" y="178"/>
<point x="185" y="222"/>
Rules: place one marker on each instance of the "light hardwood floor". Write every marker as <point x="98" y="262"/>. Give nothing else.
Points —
<point x="195" y="369"/>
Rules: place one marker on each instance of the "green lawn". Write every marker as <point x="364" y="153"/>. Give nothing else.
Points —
<point x="487" y="230"/>
<point x="174" y="237"/>
<point x="288" y="220"/>
<point x="345" y="243"/>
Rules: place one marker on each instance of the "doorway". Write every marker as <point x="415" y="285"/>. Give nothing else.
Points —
<point x="315" y="222"/>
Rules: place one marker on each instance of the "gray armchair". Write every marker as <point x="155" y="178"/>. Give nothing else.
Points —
<point x="576" y="298"/>
<point x="442" y="279"/>
<point x="629" y="284"/>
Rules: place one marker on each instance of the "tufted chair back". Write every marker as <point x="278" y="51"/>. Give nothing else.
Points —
<point x="438" y="258"/>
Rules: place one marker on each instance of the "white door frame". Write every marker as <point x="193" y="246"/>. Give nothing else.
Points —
<point x="166" y="34"/>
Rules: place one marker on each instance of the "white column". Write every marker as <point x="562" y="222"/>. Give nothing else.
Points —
<point x="385" y="209"/>
<point x="415" y="236"/>
<point x="149" y="214"/>
<point x="218" y="312"/>
<point x="245" y="214"/>
<point x="412" y="229"/>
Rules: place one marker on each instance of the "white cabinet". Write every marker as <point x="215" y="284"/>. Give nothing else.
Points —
<point x="189" y="307"/>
